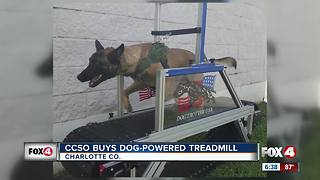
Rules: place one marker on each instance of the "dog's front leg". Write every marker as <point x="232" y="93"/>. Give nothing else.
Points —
<point x="135" y="86"/>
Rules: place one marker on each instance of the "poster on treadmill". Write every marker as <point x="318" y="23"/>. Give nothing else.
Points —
<point x="194" y="97"/>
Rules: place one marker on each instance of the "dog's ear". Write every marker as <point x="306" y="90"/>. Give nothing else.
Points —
<point x="98" y="45"/>
<point x="114" y="56"/>
<point x="120" y="49"/>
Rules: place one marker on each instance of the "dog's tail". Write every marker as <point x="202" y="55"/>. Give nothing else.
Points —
<point x="227" y="61"/>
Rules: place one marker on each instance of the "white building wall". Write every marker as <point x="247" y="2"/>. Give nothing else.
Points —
<point x="233" y="29"/>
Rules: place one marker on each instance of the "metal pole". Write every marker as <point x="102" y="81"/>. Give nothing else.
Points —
<point x="160" y="76"/>
<point x="198" y="40"/>
<point x="203" y="30"/>
<point x="250" y="123"/>
<point x="154" y="169"/>
<point x="157" y="20"/>
<point x="239" y="124"/>
<point x="160" y="93"/>
<point x="133" y="172"/>
<point x="120" y="86"/>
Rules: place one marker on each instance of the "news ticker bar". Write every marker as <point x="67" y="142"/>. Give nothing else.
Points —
<point x="281" y="167"/>
<point x="142" y="151"/>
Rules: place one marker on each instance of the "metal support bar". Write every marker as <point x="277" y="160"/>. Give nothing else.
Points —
<point x="198" y="68"/>
<point x="203" y="30"/>
<point x="195" y="30"/>
<point x="159" y="169"/>
<point x="133" y="172"/>
<point x="149" y="169"/>
<point x="157" y="20"/>
<point x="154" y="169"/>
<point x="198" y="39"/>
<point x="120" y="87"/>
<point x="160" y="93"/>
<point x="160" y="77"/>
<point x="239" y="124"/>
<point x="243" y="131"/>
<point x="250" y="123"/>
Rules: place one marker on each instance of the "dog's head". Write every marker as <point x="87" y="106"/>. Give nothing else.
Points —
<point x="103" y="65"/>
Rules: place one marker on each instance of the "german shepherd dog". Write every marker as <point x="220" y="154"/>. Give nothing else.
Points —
<point x="109" y="62"/>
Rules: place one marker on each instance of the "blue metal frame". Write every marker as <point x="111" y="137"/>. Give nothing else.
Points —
<point x="195" y="69"/>
<point x="203" y="30"/>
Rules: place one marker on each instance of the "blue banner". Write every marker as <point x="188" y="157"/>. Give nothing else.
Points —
<point x="159" y="147"/>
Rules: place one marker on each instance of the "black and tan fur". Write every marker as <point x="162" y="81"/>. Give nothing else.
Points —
<point x="109" y="62"/>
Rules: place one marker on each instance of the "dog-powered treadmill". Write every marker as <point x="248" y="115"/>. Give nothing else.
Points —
<point x="195" y="108"/>
<point x="189" y="101"/>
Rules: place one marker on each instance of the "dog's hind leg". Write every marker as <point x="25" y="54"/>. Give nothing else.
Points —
<point x="135" y="86"/>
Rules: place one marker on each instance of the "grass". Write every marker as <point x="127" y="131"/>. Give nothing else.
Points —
<point x="310" y="149"/>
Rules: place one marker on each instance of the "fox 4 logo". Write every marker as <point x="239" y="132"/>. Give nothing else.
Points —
<point x="40" y="151"/>
<point x="47" y="151"/>
<point x="288" y="152"/>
